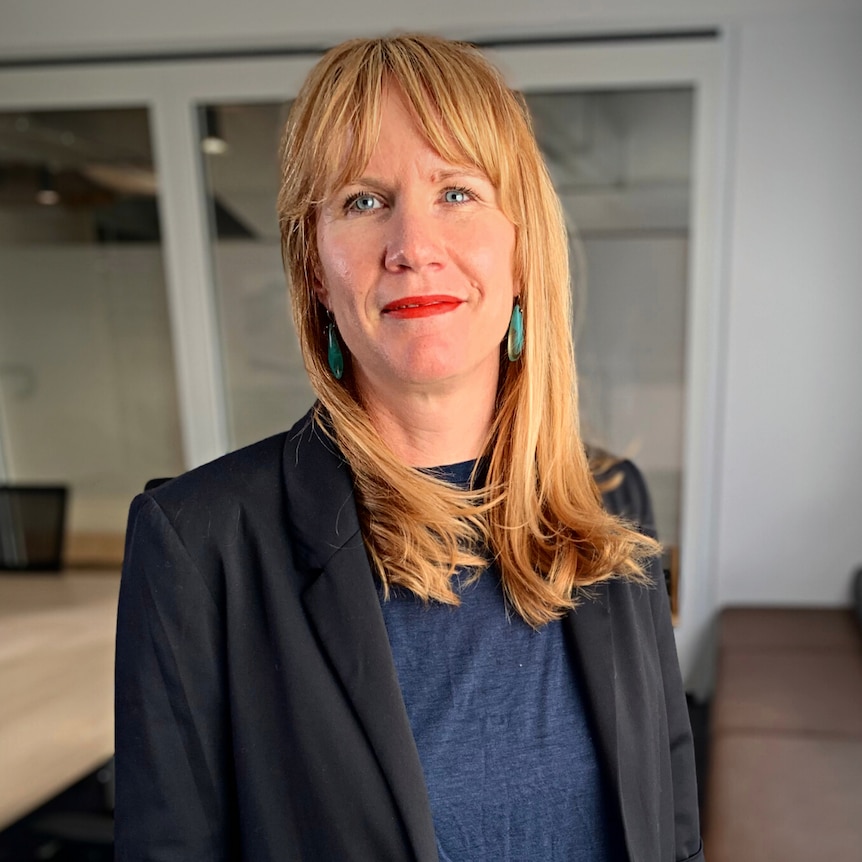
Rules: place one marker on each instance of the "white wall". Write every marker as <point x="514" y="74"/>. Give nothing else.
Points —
<point x="789" y="504"/>
<point x="791" y="496"/>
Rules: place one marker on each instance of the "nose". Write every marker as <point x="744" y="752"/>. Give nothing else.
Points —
<point x="414" y="240"/>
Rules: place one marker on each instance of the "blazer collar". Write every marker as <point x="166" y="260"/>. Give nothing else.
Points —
<point x="319" y="488"/>
<point x="343" y="606"/>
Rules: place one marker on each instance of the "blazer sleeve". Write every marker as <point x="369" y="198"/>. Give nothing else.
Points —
<point x="631" y="500"/>
<point x="684" y="781"/>
<point x="173" y="793"/>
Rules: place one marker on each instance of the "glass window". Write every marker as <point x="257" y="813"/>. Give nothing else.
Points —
<point x="267" y="387"/>
<point x="621" y="162"/>
<point x="87" y="390"/>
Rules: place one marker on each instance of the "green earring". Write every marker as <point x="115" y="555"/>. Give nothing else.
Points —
<point x="515" y="343"/>
<point x="334" y="355"/>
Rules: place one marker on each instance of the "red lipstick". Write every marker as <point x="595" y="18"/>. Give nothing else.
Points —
<point x="421" y="306"/>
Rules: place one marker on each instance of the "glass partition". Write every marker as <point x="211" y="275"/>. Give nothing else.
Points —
<point x="267" y="388"/>
<point x="621" y="162"/>
<point x="87" y="389"/>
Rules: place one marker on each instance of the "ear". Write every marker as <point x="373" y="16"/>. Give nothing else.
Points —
<point x="322" y="294"/>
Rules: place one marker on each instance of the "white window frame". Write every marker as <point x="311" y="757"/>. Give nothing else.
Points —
<point x="171" y="93"/>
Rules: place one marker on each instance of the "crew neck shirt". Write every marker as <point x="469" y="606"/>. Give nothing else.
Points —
<point x="501" y="726"/>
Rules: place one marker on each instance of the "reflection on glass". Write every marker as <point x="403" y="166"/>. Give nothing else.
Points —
<point x="87" y="390"/>
<point x="267" y="388"/>
<point x="621" y="162"/>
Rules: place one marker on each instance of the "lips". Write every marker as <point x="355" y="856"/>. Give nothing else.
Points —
<point x="421" y="306"/>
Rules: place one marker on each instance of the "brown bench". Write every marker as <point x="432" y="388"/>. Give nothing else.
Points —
<point x="785" y="772"/>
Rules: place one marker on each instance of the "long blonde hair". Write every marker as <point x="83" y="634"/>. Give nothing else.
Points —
<point x="539" y="513"/>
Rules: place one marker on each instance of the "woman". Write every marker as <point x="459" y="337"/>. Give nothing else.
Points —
<point x="407" y="628"/>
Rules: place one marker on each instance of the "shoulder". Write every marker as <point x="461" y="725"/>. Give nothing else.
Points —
<point x="626" y="494"/>
<point x="230" y="472"/>
<point x="248" y="481"/>
<point x="246" y="478"/>
<point x="250" y="470"/>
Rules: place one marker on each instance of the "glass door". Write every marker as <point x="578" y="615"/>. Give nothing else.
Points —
<point x="633" y="137"/>
<point x="87" y="384"/>
<point x="621" y="163"/>
<point x="266" y="386"/>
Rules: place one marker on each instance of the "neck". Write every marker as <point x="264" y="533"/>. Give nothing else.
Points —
<point x="431" y="428"/>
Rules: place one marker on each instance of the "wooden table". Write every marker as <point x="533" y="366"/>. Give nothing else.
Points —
<point x="56" y="683"/>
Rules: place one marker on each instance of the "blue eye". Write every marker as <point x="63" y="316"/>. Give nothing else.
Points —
<point x="457" y="196"/>
<point x="362" y="202"/>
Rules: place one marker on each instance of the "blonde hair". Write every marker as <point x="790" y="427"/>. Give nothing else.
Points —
<point x="539" y="514"/>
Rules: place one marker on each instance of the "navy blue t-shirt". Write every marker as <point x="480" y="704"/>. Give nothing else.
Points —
<point x="501" y="727"/>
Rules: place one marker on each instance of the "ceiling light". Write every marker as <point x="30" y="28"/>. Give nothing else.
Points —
<point x="212" y="143"/>
<point x="46" y="193"/>
<point x="213" y="146"/>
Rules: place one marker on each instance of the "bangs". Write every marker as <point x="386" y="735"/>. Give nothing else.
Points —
<point x="464" y="110"/>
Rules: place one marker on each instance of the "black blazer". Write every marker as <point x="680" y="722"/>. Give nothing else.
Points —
<point x="259" y="715"/>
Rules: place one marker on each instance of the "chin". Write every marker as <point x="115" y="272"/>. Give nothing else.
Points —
<point x="436" y="366"/>
<point x="429" y="365"/>
<point x="437" y="372"/>
<point x="428" y="376"/>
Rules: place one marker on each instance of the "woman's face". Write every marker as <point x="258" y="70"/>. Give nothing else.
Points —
<point x="416" y="266"/>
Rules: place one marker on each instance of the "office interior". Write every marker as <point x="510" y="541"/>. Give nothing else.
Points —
<point x="707" y="157"/>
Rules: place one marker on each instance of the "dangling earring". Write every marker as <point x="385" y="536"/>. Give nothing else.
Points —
<point x="515" y="342"/>
<point x="334" y="355"/>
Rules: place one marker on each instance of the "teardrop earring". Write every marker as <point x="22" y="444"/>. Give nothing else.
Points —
<point x="515" y="341"/>
<point x="333" y="353"/>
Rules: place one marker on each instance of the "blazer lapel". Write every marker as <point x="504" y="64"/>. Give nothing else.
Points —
<point x="343" y="606"/>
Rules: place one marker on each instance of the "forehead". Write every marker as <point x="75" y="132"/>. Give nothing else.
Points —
<point x="377" y="130"/>
<point x="402" y="145"/>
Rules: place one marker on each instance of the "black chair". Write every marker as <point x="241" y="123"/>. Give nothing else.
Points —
<point x="32" y="527"/>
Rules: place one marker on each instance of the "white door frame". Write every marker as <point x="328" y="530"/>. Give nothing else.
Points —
<point x="701" y="65"/>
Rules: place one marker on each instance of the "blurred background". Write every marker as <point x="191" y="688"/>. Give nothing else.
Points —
<point x="707" y="156"/>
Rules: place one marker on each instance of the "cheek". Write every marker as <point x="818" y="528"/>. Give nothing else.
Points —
<point x="347" y="247"/>
<point x="488" y="241"/>
<point x="498" y="261"/>
<point x="500" y="243"/>
<point x="337" y="269"/>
